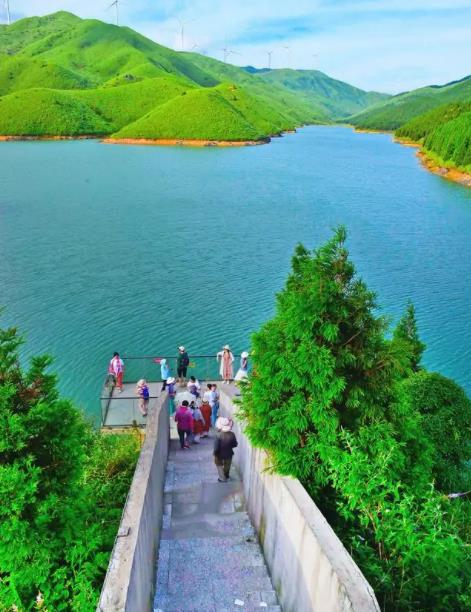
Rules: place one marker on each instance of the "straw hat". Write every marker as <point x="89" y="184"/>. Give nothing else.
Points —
<point x="181" y="348"/>
<point x="226" y="347"/>
<point x="244" y="354"/>
<point x="224" y="424"/>
<point x="170" y="380"/>
<point x="141" y="382"/>
<point x="163" y="361"/>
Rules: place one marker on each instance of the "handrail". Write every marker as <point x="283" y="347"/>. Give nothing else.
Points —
<point x="123" y="357"/>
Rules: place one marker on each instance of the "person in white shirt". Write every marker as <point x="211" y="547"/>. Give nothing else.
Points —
<point x="116" y="368"/>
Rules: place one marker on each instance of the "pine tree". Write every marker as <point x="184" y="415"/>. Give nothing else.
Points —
<point x="406" y="331"/>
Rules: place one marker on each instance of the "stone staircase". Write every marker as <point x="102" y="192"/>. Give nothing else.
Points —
<point x="209" y="556"/>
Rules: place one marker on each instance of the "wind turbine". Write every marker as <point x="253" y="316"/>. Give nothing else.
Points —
<point x="116" y="5"/>
<point x="269" y="53"/>
<point x="182" y="29"/>
<point x="7" y="8"/>
<point x="228" y="52"/>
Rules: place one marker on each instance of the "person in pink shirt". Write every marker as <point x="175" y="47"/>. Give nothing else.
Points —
<point x="184" y="421"/>
<point x="116" y="368"/>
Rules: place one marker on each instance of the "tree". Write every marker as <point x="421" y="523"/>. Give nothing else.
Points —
<point x="52" y="471"/>
<point x="406" y="331"/>
<point x="446" y="420"/>
<point x="320" y="364"/>
<point x="326" y="401"/>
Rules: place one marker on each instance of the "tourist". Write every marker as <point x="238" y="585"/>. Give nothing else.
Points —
<point x="244" y="365"/>
<point x="225" y="368"/>
<point x="184" y="421"/>
<point x="164" y="372"/>
<point x="206" y="413"/>
<point x="224" y="449"/>
<point x="182" y="364"/>
<point x="208" y="394"/>
<point x="194" y="386"/>
<point x="116" y="368"/>
<point x="172" y="391"/>
<point x="198" y="422"/>
<point x="215" y="404"/>
<point x="142" y="391"/>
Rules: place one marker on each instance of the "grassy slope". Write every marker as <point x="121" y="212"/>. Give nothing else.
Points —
<point x="47" y="112"/>
<point x="218" y="113"/>
<point x="18" y="72"/>
<point x="122" y="76"/>
<point x="423" y="125"/>
<point x="283" y="100"/>
<point x="397" y="111"/>
<point x="338" y="99"/>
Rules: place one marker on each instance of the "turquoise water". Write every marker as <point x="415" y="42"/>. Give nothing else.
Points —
<point x="140" y="249"/>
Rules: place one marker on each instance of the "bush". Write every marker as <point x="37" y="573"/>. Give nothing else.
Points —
<point x="446" y="412"/>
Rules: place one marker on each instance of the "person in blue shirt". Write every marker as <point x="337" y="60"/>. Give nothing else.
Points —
<point x="164" y="372"/>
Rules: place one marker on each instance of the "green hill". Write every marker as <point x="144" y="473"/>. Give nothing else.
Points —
<point x="445" y="134"/>
<point x="221" y="113"/>
<point x="47" y="112"/>
<point x="400" y="109"/>
<point x="110" y="78"/>
<point x="336" y="98"/>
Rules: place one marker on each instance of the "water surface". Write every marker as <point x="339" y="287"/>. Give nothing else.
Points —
<point x="140" y="249"/>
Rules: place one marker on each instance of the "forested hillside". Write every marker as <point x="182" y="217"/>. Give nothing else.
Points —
<point x="61" y="75"/>
<point x="398" y="110"/>
<point x="445" y="134"/>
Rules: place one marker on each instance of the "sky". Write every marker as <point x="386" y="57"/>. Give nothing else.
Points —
<point x="382" y="45"/>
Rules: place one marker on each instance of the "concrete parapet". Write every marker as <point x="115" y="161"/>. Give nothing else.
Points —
<point x="310" y="568"/>
<point x="130" y="579"/>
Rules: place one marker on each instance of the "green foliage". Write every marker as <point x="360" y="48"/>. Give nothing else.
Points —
<point x="398" y="110"/>
<point x="446" y="412"/>
<point x="327" y="400"/>
<point x="117" y="79"/>
<point x="406" y="332"/>
<point x="423" y="125"/>
<point x="445" y="134"/>
<point x="47" y="112"/>
<point x="62" y="487"/>
<point x="451" y="142"/>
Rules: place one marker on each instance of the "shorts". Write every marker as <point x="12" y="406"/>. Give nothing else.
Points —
<point x="181" y="371"/>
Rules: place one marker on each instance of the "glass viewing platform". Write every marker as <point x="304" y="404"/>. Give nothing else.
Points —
<point x="121" y="409"/>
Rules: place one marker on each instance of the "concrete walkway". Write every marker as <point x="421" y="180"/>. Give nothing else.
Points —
<point x="209" y="558"/>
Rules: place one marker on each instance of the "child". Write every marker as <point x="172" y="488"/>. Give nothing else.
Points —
<point x="194" y="386"/>
<point x="172" y="391"/>
<point x="198" y="423"/>
<point x="142" y="391"/>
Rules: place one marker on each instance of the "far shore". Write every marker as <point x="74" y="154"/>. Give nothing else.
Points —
<point x="8" y="138"/>
<point x="185" y="142"/>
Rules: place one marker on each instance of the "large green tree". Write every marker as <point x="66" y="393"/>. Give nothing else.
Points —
<point x="326" y="401"/>
<point x="62" y="487"/>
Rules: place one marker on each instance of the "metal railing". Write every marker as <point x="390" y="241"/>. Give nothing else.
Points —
<point x="122" y="409"/>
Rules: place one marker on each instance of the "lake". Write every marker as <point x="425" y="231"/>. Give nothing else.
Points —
<point x="141" y="249"/>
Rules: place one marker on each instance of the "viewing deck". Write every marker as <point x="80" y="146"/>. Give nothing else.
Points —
<point x="120" y="410"/>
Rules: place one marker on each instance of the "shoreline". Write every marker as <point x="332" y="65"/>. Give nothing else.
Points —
<point x="6" y="138"/>
<point x="185" y="142"/>
<point x="451" y="174"/>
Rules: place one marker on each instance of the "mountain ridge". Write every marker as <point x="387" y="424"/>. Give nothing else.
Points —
<point x="82" y="59"/>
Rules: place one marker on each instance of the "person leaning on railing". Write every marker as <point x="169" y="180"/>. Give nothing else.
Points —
<point x="116" y="368"/>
